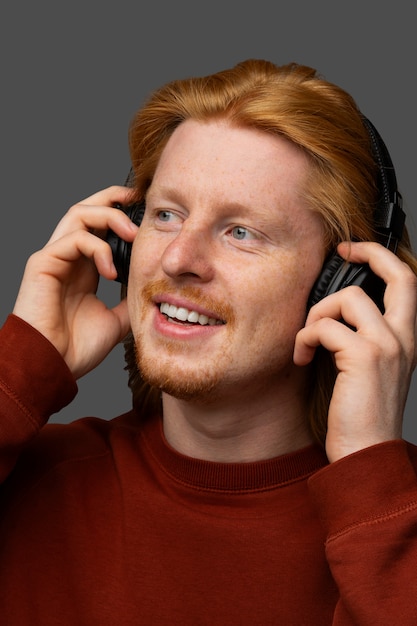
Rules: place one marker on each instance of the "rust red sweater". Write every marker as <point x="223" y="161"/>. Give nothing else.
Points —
<point x="101" y="522"/>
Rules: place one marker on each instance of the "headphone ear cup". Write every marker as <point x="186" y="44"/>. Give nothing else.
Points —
<point x="121" y="249"/>
<point x="325" y="282"/>
<point x="337" y="274"/>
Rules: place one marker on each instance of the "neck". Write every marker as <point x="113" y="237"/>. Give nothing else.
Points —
<point x="252" y="427"/>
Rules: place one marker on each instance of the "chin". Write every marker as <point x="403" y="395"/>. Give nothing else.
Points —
<point x="179" y="382"/>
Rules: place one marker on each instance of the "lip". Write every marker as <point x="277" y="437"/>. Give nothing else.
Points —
<point x="182" y="331"/>
<point x="186" y="304"/>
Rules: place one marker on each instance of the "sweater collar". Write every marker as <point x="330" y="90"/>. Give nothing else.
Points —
<point x="231" y="477"/>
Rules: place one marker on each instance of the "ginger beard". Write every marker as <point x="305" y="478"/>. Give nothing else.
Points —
<point x="163" y="366"/>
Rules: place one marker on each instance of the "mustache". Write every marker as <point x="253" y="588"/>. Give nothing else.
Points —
<point x="219" y="308"/>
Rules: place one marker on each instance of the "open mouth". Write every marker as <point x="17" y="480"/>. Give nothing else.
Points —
<point x="181" y="315"/>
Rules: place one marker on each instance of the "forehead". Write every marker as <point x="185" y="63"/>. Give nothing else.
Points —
<point x="220" y="150"/>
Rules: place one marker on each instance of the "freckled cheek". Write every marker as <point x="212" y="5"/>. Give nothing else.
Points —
<point x="142" y="269"/>
<point x="278" y="300"/>
<point x="143" y="260"/>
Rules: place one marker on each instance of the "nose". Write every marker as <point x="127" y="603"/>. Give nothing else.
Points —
<point x="189" y="254"/>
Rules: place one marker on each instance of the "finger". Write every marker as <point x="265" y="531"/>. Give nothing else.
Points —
<point x="400" y="298"/>
<point x="323" y="326"/>
<point x="70" y="248"/>
<point x="326" y="332"/>
<point x="350" y="304"/>
<point x="96" y="219"/>
<point x="110" y="196"/>
<point x="98" y="212"/>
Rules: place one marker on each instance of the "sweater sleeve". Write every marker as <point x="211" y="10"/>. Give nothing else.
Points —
<point x="35" y="382"/>
<point x="368" y="506"/>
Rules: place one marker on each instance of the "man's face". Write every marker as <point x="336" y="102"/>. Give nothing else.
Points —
<point x="223" y="263"/>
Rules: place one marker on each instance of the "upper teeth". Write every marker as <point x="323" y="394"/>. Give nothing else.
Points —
<point x="184" y="315"/>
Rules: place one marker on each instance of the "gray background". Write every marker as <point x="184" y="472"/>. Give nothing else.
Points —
<point x="71" y="79"/>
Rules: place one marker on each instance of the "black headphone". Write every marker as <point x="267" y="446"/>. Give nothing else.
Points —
<point x="122" y="249"/>
<point x="389" y="219"/>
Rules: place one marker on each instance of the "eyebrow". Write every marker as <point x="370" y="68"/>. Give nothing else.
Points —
<point x="282" y="221"/>
<point x="167" y="192"/>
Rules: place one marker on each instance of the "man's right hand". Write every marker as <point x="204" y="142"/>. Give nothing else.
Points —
<point x="57" y="295"/>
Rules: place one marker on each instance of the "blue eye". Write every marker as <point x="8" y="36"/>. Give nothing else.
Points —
<point x="241" y="233"/>
<point x="164" y="216"/>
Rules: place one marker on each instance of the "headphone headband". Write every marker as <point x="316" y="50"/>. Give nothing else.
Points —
<point x="389" y="216"/>
<point x="389" y="219"/>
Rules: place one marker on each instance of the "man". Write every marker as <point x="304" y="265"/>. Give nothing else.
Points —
<point x="260" y="477"/>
